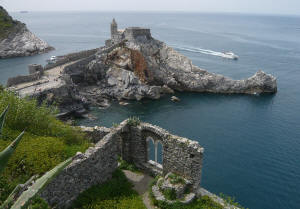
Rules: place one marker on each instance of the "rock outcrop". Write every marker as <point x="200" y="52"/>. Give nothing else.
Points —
<point x="142" y="67"/>
<point x="16" y="40"/>
<point x="136" y="66"/>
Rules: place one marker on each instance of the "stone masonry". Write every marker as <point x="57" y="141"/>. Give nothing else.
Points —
<point x="180" y="155"/>
<point x="130" y="33"/>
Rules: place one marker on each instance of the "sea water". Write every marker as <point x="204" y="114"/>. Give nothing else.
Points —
<point x="252" y="143"/>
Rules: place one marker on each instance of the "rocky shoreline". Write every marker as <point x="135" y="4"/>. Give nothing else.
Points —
<point x="132" y="66"/>
<point x="17" y="41"/>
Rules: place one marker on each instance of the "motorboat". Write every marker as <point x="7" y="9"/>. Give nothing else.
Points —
<point x="230" y="55"/>
<point x="52" y="60"/>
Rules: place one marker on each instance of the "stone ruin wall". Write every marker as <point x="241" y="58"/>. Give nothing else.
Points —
<point x="180" y="155"/>
<point x="96" y="165"/>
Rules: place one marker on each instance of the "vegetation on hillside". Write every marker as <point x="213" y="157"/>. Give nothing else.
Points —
<point x="115" y="193"/>
<point x="6" y="23"/>
<point x="199" y="203"/>
<point x="46" y="142"/>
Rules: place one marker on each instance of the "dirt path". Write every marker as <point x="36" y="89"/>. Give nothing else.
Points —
<point x="141" y="182"/>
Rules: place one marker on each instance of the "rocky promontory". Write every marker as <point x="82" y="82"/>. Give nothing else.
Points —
<point x="132" y="66"/>
<point x="16" y="40"/>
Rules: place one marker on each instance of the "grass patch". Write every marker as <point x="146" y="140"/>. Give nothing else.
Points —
<point x="134" y="121"/>
<point x="176" y="179"/>
<point x="37" y="119"/>
<point x="124" y="165"/>
<point x="38" y="203"/>
<point x="116" y="193"/>
<point x="230" y="200"/>
<point x="46" y="142"/>
<point x="169" y="194"/>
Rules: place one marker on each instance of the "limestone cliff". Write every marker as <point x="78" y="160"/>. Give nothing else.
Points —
<point x="16" y="40"/>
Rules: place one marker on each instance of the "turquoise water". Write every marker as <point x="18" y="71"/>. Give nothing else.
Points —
<point x="252" y="143"/>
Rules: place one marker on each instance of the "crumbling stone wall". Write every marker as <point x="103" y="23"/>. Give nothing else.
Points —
<point x="96" y="165"/>
<point x="95" y="134"/>
<point x="180" y="155"/>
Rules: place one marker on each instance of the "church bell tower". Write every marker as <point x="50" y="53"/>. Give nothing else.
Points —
<point x="113" y="28"/>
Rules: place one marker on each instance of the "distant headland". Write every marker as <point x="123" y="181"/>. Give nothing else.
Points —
<point x="16" y="40"/>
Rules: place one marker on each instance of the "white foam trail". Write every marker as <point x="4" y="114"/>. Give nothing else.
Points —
<point x="202" y="51"/>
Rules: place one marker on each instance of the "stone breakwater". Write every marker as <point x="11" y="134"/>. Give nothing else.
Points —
<point x="18" y="41"/>
<point x="96" y="165"/>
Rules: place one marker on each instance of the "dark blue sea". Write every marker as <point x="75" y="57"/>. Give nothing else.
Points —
<point x="252" y="143"/>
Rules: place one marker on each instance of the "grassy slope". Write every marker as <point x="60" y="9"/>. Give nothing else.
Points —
<point x="46" y="142"/>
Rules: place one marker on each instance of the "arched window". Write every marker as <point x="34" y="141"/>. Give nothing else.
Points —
<point x="159" y="153"/>
<point x="151" y="149"/>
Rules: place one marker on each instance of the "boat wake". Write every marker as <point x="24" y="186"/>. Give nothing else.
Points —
<point x="227" y="55"/>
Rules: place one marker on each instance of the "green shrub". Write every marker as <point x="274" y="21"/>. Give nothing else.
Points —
<point x="6" y="23"/>
<point x="169" y="194"/>
<point x="124" y="165"/>
<point x="230" y="200"/>
<point x="176" y="179"/>
<point x="115" y="193"/>
<point x="134" y="121"/>
<point x="25" y="113"/>
<point x="115" y="125"/>
<point x="38" y="203"/>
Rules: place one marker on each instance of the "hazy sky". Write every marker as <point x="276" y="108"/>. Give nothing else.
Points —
<point x="242" y="6"/>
